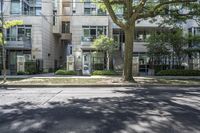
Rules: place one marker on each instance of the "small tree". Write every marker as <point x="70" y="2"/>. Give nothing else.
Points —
<point x="104" y="43"/>
<point x="157" y="48"/>
<point x="178" y="42"/>
<point x="4" y="26"/>
<point x="174" y="41"/>
<point x="193" y="48"/>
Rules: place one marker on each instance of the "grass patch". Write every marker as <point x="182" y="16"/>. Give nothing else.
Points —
<point x="104" y="72"/>
<point x="64" y="72"/>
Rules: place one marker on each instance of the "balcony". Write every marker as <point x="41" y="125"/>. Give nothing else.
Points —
<point x="21" y="43"/>
<point x="86" y="42"/>
<point x="66" y="36"/>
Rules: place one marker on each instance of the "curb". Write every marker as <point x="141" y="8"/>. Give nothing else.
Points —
<point x="103" y="85"/>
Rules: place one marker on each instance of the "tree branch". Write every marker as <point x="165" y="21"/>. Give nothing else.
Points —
<point x="155" y="10"/>
<point x="113" y="15"/>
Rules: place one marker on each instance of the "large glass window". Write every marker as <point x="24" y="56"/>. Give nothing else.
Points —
<point x="28" y="7"/>
<point x="65" y="27"/>
<point x="92" y="32"/>
<point x="19" y="33"/>
<point x="15" y="6"/>
<point x="91" y="9"/>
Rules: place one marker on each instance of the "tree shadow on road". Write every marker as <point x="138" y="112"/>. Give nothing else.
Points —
<point x="147" y="110"/>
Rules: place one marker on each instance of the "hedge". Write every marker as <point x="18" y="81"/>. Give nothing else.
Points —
<point x="22" y="73"/>
<point x="104" y="72"/>
<point x="64" y="72"/>
<point x="178" y="72"/>
<point x="30" y="67"/>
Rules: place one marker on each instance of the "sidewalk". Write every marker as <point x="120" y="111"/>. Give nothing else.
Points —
<point x="52" y="75"/>
<point x="51" y="80"/>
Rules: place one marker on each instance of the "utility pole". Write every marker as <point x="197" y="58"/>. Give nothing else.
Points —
<point x="3" y="42"/>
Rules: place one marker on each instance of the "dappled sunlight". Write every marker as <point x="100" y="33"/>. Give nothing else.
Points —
<point x="119" y="110"/>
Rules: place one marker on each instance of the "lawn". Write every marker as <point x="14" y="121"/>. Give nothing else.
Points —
<point x="99" y="81"/>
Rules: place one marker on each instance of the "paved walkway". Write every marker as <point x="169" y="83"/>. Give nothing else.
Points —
<point x="52" y="75"/>
<point x="100" y="110"/>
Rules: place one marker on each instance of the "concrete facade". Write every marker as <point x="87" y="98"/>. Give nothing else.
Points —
<point x="44" y="44"/>
<point x="68" y="28"/>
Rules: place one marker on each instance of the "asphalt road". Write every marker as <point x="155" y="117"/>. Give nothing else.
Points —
<point x="100" y="110"/>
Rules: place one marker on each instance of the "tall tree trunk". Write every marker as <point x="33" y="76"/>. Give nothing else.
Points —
<point x="3" y="43"/>
<point x="4" y="63"/>
<point x="128" y="54"/>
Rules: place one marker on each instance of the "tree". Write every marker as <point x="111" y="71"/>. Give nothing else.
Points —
<point x="178" y="42"/>
<point x="104" y="43"/>
<point x="157" y="48"/>
<point x="174" y="41"/>
<point x="193" y="48"/>
<point x="5" y="25"/>
<point x="171" y="11"/>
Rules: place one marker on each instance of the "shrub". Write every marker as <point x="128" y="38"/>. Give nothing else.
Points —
<point x="177" y="72"/>
<point x="51" y="70"/>
<point x="22" y="73"/>
<point x="99" y="66"/>
<point x="104" y="72"/>
<point x="64" y="72"/>
<point x="30" y="67"/>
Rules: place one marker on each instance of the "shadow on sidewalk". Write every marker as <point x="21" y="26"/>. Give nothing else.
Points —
<point x="149" y="110"/>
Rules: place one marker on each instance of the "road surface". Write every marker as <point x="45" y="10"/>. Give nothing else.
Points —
<point x="100" y="110"/>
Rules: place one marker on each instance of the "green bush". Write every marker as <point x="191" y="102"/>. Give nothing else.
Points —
<point x="64" y="72"/>
<point x="99" y="66"/>
<point x="30" y="67"/>
<point x="177" y="72"/>
<point x="22" y="73"/>
<point x="104" y="72"/>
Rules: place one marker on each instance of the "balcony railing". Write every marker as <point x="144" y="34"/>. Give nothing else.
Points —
<point x="21" y="42"/>
<point x="88" y="39"/>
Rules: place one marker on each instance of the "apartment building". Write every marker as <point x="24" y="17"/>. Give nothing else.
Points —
<point x="60" y="33"/>
<point x="37" y="38"/>
<point x="88" y="22"/>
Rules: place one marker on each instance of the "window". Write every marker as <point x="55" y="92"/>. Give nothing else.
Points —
<point x="54" y="17"/>
<point x="92" y="32"/>
<point x="15" y="6"/>
<point x="65" y="27"/>
<point x="91" y="9"/>
<point x="29" y="7"/>
<point x="196" y="30"/>
<point x="19" y="33"/>
<point x="70" y="50"/>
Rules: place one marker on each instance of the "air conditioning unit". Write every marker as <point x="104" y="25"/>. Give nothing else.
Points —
<point x="20" y="63"/>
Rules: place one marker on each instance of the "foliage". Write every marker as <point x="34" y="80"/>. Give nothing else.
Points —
<point x="157" y="46"/>
<point x="172" y="41"/>
<point x="12" y="23"/>
<point x="98" y="66"/>
<point x="9" y="24"/>
<point x="105" y="43"/>
<point x="170" y="12"/>
<point x="21" y="73"/>
<point x="178" y="72"/>
<point x="104" y="72"/>
<point x="64" y="72"/>
<point x="30" y="67"/>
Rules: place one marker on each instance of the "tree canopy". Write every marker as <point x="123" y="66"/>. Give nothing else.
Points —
<point x="105" y="43"/>
<point x="132" y="11"/>
<point x="172" y="11"/>
<point x="9" y="24"/>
